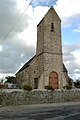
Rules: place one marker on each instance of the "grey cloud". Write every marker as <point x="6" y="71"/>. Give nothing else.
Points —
<point x="15" y="51"/>
<point x="69" y="48"/>
<point x="9" y="16"/>
<point x="77" y="71"/>
<point x="70" y="60"/>
<point x="12" y="57"/>
<point x="67" y="52"/>
<point x="43" y="2"/>
<point x="71" y="20"/>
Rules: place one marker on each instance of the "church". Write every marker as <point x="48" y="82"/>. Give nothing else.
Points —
<point x="46" y="67"/>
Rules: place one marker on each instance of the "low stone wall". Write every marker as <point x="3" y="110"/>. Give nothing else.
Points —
<point x="38" y="97"/>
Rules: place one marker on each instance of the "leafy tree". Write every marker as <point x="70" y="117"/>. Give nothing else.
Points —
<point x="2" y="81"/>
<point x="77" y="83"/>
<point x="10" y="79"/>
<point x="70" y="81"/>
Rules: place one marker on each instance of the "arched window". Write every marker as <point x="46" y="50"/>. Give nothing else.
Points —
<point x="52" y="27"/>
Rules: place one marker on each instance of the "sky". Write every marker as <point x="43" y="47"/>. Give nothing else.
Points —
<point x="18" y="33"/>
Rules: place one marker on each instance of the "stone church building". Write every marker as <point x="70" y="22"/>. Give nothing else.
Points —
<point x="46" y="67"/>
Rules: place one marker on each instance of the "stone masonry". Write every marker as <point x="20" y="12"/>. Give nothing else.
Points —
<point x="48" y="58"/>
<point x="38" y="97"/>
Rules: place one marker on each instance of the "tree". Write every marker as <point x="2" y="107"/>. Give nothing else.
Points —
<point x="2" y="81"/>
<point x="10" y="79"/>
<point x="70" y="80"/>
<point x="77" y="83"/>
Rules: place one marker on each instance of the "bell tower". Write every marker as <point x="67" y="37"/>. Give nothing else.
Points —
<point x="49" y="49"/>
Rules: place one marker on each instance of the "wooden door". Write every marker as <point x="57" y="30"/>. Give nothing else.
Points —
<point x="53" y="80"/>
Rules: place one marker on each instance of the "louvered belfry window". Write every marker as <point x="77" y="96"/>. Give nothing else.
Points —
<point x="52" y="27"/>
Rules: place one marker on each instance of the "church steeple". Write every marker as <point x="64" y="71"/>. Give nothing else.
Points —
<point x="49" y="48"/>
<point x="46" y="68"/>
<point x="49" y="33"/>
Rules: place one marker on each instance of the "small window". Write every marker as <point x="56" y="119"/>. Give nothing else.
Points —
<point x="35" y="83"/>
<point x="52" y="27"/>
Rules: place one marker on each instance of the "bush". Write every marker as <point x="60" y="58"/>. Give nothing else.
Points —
<point x="27" y="87"/>
<point x="68" y="87"/>
<point x="18" y="86"/>
<point x="2" y="86"/>
<point x="48" y="87"/>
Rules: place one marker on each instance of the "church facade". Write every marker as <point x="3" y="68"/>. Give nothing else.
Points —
<point x="46" y="67"/>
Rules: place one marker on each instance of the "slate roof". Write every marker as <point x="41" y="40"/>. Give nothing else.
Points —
<point x="26" y="64"/>
<point x="64" y="68"/>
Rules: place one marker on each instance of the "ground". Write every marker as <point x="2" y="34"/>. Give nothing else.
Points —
<point x="59" y="111"/>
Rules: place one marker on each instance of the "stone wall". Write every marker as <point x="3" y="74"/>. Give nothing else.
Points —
<point x="38" y="97"/>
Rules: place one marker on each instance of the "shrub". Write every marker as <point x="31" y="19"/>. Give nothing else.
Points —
<point x="68" y="87"/>
<point x="2" y="86"/>
<point x="27" y="87"/>
<point x="48" y="87"/>
<point x="18" y="86"/>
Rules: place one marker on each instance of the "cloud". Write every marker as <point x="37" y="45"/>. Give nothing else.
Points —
<point x="49" y="3"/>
<point x="1" y="48"/>
<point x="9" y="19"/>
<point x="72" y="60"/>
<point x="14" y="51"/>
<point x="66" y="8"/>
<point x="70" y="21"/>
<point x="13" y="55"/>
<point x="69" y="12"/>
<point x="77" y="29"/>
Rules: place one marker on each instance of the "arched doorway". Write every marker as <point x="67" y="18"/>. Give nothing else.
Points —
<point x="53" y="80"/>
